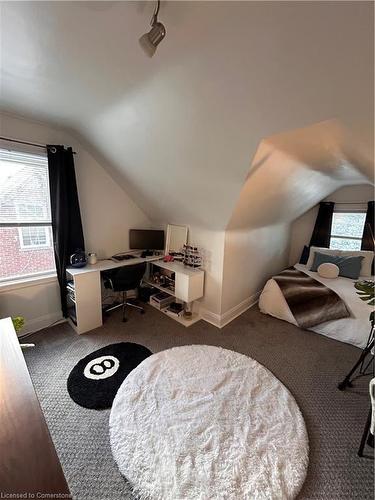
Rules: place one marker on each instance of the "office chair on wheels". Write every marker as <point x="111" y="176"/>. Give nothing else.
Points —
<point x="124" y="279"/>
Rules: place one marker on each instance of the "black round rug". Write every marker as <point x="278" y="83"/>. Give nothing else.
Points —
<point x="96" y="378"/>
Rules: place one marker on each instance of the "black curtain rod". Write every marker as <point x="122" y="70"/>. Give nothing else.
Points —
<point x="43" y="146"/>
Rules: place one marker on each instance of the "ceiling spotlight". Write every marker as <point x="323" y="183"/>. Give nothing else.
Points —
<point x="149" y="41"/>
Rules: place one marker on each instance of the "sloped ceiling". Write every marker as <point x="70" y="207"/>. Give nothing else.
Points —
<point x="291" y="172"/>
<point x="179" y="131"/>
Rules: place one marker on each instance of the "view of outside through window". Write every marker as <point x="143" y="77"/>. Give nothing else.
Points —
<point x="25" y="216"/>
<point x="347" y="230"/>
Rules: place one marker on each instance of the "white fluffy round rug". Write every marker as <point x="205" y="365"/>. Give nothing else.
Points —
<point x="200" y="422"/>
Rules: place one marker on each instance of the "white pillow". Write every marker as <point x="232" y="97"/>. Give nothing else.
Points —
<point x="368" y="257"/>
<point x="326" y="251"/>
<point x="328" y="270"/>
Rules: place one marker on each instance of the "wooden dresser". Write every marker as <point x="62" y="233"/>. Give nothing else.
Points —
<point x="29" y="464"/>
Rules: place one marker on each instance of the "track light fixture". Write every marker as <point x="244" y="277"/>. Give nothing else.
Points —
<point x="149" y="41"/>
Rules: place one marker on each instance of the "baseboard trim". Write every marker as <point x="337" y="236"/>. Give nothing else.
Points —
<point x="240" y="308"/>
<point x="36" y="324"/>
<point x="210" y="317"/>
<point x="220" y="320"/>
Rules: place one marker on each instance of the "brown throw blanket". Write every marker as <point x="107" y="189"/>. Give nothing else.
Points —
<point x="310" y="302"/>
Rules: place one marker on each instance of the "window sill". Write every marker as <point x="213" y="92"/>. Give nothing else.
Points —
<point x="7" y="286"/>
<point x="28" y="248"/>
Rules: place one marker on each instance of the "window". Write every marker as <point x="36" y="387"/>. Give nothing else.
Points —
<point x="34" y="237"/>
<point x="30" y="210"/>
<point x="347" y="230"/>
<point x="25" y="216"/>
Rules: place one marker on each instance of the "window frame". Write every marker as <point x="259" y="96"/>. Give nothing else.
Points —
<point x="341" y="237"/>
<point x="32" y="246"/>
<point x="47" y="225"/>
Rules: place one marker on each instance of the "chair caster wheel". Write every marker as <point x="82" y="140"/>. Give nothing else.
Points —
<point x="370" y="440"/>
<point x="143" y="312"/>
<point x="124" y="320"/>
<point x="344" y="384"/>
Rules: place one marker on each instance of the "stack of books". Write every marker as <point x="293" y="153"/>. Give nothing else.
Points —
<point x="161" y="300"/>
<point x="71" y="292"/>
<point x="175" y="309"/>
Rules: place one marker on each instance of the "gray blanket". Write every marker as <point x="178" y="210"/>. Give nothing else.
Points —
<point x="310" y="302"/>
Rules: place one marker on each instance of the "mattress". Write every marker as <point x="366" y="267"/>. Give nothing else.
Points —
<point x="354" y="330"/>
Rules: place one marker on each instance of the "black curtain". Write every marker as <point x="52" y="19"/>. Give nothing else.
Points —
<point x="368" y="230"/>
<point x="322" y="230"/>
<point x="66" y="217"/>
<point x="323" y="225"/>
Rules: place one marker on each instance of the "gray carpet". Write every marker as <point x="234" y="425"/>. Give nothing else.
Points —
<point x="308" y="364"/>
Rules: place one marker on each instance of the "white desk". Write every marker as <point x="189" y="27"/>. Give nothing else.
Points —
<point x="88" y="293"/>
<point x="105" y="265"/>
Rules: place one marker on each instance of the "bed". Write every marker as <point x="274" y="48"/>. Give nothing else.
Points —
<point x="353" y="330"/>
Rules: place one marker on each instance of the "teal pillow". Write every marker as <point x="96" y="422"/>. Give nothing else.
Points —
<point x="349" y="267"/>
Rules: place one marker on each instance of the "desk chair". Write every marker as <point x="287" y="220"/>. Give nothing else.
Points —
<point x="124" y="279"/>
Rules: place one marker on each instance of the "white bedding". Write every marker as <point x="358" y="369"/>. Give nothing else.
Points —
<point x="353" y="330"/>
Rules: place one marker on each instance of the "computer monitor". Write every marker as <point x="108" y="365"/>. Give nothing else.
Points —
<point x="146" y="239"/>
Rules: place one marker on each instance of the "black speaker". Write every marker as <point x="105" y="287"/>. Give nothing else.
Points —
<point x="145" y="292"/>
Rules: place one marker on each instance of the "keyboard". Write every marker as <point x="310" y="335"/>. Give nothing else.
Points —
<point x="126" y="256"/>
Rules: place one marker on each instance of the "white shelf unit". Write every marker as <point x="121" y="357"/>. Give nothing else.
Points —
<point x="189" y="285"/>
<point x="180" y="319"/>
<point x="159" y="287"/>
<point x="88" y="301"/>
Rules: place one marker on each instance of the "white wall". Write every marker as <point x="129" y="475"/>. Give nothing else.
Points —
<point x="251" y="257"/>
<point x="107" y="215"/>
<point x="301" y="229"/>
<point x="107" y="211"/>
<point x="39" y="304"/>
<point x="212" y="244"/>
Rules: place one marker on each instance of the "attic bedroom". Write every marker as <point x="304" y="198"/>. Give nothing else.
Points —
<point x="187" y="250"/>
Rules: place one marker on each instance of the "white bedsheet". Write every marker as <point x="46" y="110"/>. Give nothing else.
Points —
<point x="353" y="330"/>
